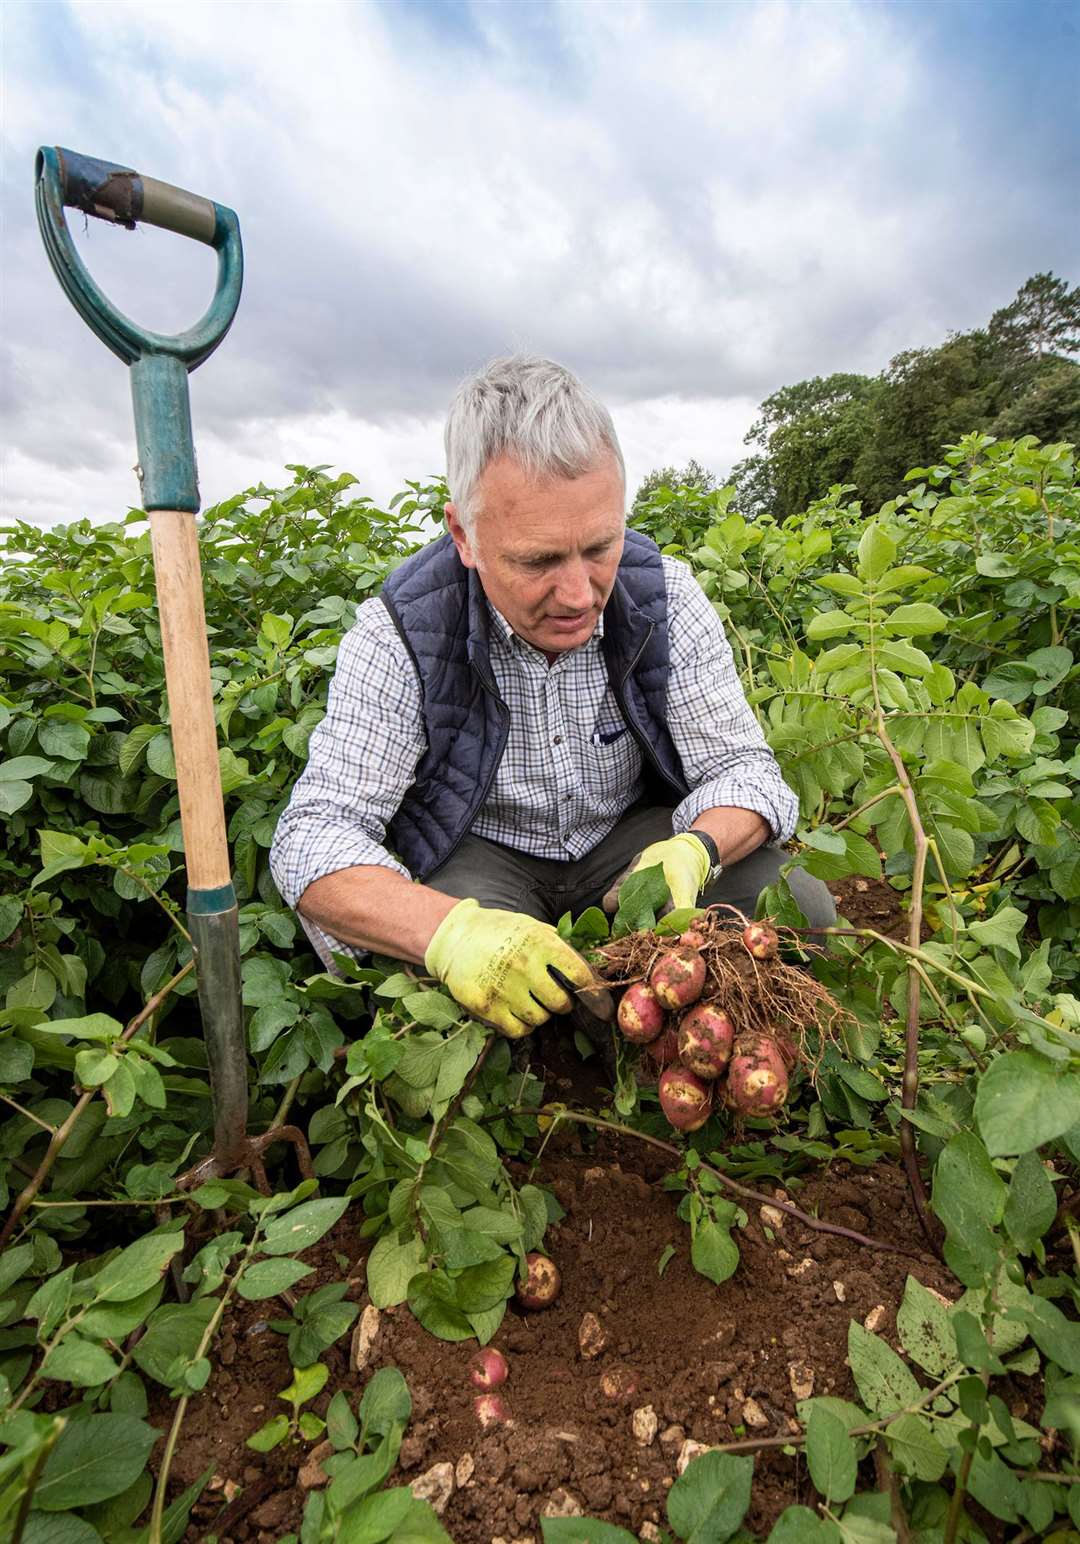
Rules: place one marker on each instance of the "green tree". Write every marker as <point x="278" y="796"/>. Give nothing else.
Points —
<point x="1043" y="319"/>
<point x="693" y="475"/>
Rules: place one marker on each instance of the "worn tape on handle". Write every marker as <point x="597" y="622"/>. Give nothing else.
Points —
<point x="118" y="193"/>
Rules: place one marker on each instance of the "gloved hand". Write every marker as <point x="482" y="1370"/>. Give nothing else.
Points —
<point x="686" y="863"/>
<point x="495" y="964"/>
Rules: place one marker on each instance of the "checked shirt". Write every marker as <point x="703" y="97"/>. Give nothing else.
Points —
<point x="571" y="767"/>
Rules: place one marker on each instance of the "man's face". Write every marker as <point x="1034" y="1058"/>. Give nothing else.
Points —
<point x="546" y="551"/>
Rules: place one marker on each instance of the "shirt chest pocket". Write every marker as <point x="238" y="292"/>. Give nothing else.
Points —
<point x="611" y="759"/>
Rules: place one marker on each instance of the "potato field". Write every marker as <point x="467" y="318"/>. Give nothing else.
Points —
<point x="791" y="1256"/>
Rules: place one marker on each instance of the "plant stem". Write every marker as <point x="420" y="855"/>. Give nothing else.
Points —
<point x="558" y="1112"/>
<point x="59" y="1138"/>
<point x="40" y="1460"/>
<point x="871" y="1429"/>
<point x="173" y="1438"/>
<point x="910" y="1087"/>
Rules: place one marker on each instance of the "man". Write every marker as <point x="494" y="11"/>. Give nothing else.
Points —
<point x="536" y="704"/>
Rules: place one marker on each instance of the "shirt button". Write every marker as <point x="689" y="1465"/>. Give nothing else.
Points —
<point x="557" y="739"/>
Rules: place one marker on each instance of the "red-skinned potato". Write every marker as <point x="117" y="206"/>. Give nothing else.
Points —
<point x="678" y="978"/>
<point x="706" y="1038"/>
<point x="541" y="1285"/>
<point x="664" y="1050"/>
<point x="761" y="940"/>
<point x="491" y="1410"/>
<point x="693" y="938"/>
<point x="640" y="1016"/>
<point x="685" y="1098"/>
<point x="488" y="1369"/>
<point x="757" y="1080"/>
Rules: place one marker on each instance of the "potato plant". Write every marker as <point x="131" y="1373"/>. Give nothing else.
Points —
<point x="915" y="675"/>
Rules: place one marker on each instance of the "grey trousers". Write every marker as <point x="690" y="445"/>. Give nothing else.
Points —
<point x="497" y="876"/>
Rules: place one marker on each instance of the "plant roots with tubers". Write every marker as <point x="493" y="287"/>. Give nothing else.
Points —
<point x="722" y="1019"/>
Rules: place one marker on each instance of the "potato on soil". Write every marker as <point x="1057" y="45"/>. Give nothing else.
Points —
<point x="542" y="1282"/>
<point x="640" y="1017"/>
<point x="491" y="1410"/>
<point x="757" y="1081"/>
<point x="488" y="1369"/>
<point x="685" y="1098"/>
<point x="706" y="1037"/>
<point x="678" y="978"/>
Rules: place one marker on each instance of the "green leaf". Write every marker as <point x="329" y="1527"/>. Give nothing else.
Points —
<point x="1031" y="1205"/>
<point x="62" y="739"/>
<point x="95" y="1458"/>
<point x="378" y="1517"/>
<point x="915" y="1449"/>
<point x="172" y="1335"/>
<point x="386" y="1404"/>
<point x="916" y="619"/>
<point x="266" y="1278"/>
<point x="80" y="1362"/>
<point x="922" y="1323"/>
<point x="885" y="1384"/>
<point x="390" y="1268"/>
<point x="877" y="551"/>
<point x="94" y="1026"/>
<point x="1023" y="1100"/>
<point x="342" y="1427"/>
<point x="137" y="1268"/>
<point x="642" y="896"/>
<point x="713" y="1251"/>
<point x="1001" y="930"/>
<point x="303" y="1226"/>
<point x="709" y="1500"/>
<point x="52" y="1528"/>
<point x="829" y="624"/>
<point x="269" y="1434"/>
<point x="799" y="1525"/>
<point x="306" y="1383"/>
<point x="435" y="1009"/>
<point x="583" y="1530"/>
<point x="995" y="565"/>
<point x="18" y="768"/>
<point x="830" y="1455"/>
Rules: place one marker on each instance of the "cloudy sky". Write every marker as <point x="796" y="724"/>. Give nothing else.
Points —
<point x="691" y="204"/>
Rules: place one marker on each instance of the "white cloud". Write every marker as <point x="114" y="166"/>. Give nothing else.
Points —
<point x="691" y="205"/>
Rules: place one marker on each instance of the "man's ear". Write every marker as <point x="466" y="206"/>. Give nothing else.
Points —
<point x="465" y="549"/>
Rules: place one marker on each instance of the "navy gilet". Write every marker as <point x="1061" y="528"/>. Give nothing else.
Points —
<point x="439" y="608"/>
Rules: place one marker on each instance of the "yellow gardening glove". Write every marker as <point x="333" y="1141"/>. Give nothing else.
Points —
<point x="686" y="863"/>
<point x="495" y="964"/>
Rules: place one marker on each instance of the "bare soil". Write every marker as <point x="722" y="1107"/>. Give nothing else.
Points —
<point x="712" y="1364"/>
<point x="698" y="1362"/>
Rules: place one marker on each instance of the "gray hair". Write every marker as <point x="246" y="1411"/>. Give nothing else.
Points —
<point x="532" y="410"/>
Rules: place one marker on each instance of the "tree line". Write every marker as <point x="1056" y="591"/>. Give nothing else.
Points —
<point x="1017" y="375"/>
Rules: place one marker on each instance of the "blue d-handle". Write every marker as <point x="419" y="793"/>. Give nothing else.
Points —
<point x="159" y="363"/>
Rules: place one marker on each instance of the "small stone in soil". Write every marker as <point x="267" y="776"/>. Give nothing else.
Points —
<point x="801" y="1378"/>
<point x="561" y="1503"/>
<point x="312" y="1474"/>
<point x="466" y="1468"/>
<point x="644" y="1424"/>
<point x="753" y="1414"/>
<point x="688" y="1452"/>
<point x="364" y="1337"/>
<point x="840" y="1290"/>
<point x="875" y="1318"/>
<point x="435" y="1485"/>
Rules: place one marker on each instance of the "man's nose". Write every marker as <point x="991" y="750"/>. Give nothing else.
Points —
<point x="574" y="591"/>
